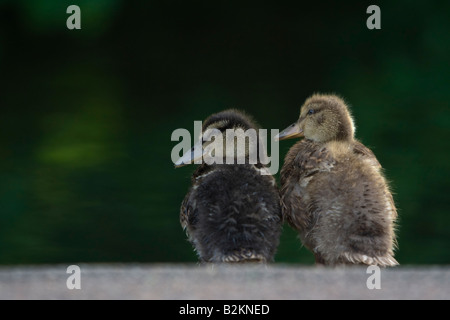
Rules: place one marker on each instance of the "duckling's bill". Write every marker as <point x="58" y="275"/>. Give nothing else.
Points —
<point x="193" y="155"/>
<point x="293" y="131"/>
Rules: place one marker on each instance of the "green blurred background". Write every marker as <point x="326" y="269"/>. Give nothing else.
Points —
<point x="87" y="115"/>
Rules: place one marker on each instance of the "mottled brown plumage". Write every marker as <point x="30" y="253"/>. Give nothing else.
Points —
<point x="333" y="190"/>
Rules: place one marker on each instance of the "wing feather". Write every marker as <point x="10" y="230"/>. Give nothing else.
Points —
<point x="302" y="162"/>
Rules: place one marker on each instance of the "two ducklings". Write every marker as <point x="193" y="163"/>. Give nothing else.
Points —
<point x="333" y="192"/>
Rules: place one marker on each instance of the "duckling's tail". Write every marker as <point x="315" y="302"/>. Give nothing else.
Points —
<point x="243" y="256"/>
<point x="356" y="258"/>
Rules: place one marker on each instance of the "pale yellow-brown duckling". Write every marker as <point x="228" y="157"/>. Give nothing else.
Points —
<point x="333" y="190"/>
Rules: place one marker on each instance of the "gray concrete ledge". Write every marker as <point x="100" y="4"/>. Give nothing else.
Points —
<point x="172" y="281"/>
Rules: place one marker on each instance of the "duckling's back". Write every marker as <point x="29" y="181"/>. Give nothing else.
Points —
<point x="232" y="214"/>
<point x="347" y="213"/>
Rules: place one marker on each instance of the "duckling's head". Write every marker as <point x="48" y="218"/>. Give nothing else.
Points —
<point x="230" y="135"/>
<point x="229" y="119"/>
<point x="322" y="118"/>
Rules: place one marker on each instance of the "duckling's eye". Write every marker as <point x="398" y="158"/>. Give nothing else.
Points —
<point x="311" y="111"/>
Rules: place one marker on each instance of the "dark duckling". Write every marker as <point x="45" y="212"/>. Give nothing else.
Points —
<point x="232" y="211"/>
<point x="333" y="191"/>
